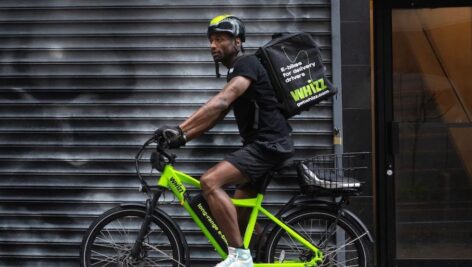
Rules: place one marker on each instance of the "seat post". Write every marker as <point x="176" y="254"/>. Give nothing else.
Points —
<point x="265" y="183"/>
<point x="289" y="163"/>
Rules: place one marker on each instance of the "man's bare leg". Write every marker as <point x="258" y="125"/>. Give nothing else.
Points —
<point x="220" y="204"/>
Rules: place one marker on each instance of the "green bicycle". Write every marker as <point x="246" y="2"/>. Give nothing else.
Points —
<point x="307" y="231"/>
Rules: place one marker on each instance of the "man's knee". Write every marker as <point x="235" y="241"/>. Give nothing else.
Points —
<point x="208" y="183"/>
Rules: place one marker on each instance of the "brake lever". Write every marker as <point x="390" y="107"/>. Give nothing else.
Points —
<point x="162" y="146"/>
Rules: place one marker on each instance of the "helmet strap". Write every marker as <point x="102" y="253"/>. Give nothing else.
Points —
<point x="236" y="49"/>
<point x="217" y="69"/>
<point x="235" y="46"/>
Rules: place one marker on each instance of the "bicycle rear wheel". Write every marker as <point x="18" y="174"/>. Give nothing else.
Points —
<point x="109" y="240"/>
<point x="341" y="241"/>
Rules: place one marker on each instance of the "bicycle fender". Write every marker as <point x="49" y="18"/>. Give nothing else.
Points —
<point x="291" y="208"/>
<point x="163" y="214"/>
<point x="356" y="219"/>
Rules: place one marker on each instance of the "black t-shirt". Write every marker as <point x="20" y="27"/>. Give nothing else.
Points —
<point x="256" y="110"/>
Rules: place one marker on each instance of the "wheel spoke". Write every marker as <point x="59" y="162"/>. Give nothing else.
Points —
<point x="292" y="244"/>
<point x="106" y="258"/>
<point x="339" y="241"/>
<point x="111" y="245"/>
<point x="125" y="234"/>
<point x="346" y="244"/>
<point x="305" y="234"/>
<point x="162" y="252"/>
<point x="113" y="235"/>
<point x="327" y="234"/>
<point x="152" y="262"/>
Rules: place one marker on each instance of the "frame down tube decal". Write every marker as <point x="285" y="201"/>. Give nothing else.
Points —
<point x="175" y="180"/>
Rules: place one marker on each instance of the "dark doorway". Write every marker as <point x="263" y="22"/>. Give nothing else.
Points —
<point x="424" y="130"/>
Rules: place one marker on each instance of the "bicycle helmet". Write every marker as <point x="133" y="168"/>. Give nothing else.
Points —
<point x="227" y="23"/>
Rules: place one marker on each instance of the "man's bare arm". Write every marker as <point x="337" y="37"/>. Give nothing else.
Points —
<point x="215" y="109"/>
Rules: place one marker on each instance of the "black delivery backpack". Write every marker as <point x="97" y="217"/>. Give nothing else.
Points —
<point x="293" y="62"/>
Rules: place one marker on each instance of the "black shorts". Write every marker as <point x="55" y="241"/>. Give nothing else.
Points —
<point x="257" y="159"/>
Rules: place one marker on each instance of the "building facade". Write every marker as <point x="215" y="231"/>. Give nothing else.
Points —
<point x="84" y="83"/>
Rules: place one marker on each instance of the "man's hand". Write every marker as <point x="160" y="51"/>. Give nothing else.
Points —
<point x="173" y="136"/>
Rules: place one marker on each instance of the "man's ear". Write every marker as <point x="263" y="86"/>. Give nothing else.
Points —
<point x="237" y="41"/>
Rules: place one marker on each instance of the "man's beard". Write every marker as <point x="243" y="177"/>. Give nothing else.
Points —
<point x="224" y="56"/>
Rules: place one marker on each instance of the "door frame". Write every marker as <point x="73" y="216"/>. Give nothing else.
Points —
<point x="384" y="132"/>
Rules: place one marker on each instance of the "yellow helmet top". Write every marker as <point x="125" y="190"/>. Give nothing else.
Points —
<point x="227" y="23"/>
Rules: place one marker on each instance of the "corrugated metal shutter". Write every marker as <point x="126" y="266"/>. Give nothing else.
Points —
<point x="83" y="83"/>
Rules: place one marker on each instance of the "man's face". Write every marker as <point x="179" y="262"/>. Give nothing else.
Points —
<point x="222" y="46"/>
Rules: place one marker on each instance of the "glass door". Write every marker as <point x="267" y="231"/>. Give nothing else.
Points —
<point x="432" y="113"/>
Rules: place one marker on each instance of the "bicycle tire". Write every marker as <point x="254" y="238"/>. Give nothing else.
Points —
<point x="111" y="236"/>
<point x="317" y="226"/>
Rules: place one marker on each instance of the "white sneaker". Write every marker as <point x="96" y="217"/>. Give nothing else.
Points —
<point x="237" y="257"/>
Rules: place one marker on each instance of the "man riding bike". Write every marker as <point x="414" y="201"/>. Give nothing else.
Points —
<point x="263" y="128"/>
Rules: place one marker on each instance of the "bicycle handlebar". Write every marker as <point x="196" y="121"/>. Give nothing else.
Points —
<point x="161" y="149"/>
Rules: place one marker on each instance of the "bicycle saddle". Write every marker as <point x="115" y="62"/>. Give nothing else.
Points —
<point x="315" y="175"/>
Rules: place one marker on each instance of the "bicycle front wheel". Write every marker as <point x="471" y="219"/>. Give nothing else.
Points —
<point x="341" y="241"/>
<point x="109" y="240"/>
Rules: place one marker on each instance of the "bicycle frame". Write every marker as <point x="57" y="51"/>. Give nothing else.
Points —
<point x="175" y="181"/>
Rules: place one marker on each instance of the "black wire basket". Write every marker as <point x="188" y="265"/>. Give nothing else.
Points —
<point x="343" y="173"/>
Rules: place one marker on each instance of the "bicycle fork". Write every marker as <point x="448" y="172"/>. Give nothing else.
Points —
<point x="150" y="206"/>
